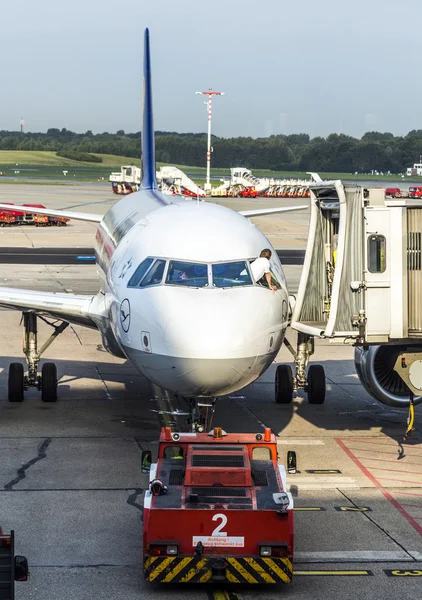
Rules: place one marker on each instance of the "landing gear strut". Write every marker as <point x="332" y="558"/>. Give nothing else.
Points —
<point x="201" y="413"/>
<point x="18" y="382"/>
<point x="312" y="381"/>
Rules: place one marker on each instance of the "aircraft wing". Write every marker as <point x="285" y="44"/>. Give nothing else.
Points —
<point x="73" y="308"/>
<point x="51" y="212"/>
<point x="270" y="211"/>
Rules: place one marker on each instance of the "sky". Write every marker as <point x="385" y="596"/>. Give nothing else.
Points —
<point x="312" y="66"/>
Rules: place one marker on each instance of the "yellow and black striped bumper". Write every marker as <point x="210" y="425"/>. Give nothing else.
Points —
<point x="197" y="569"/>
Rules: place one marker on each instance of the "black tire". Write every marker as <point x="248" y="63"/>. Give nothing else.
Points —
<point x="49" y="382"/>
<point x="283" y="384"/>
<point x="316" y="384"/>
<point x="15" y="382"/>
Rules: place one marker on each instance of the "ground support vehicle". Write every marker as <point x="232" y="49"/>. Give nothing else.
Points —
<point x="35" y="218"/>
<point x="415" y="191"/>
<point x="12" y="568"/>
<point x="6" y="218"/>
<point x="217" y="510"/>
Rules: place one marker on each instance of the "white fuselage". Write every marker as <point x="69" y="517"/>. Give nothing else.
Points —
<point x="206" y="340"/>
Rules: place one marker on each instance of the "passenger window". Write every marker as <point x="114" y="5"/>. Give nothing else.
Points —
<point x="135" y="280"/>
<point x="376" y="254"/>
<point x="187" y="274"/>
<point x="154" y="275"/>
<point x="260" y="453"/>
<point x="231" y="274"/>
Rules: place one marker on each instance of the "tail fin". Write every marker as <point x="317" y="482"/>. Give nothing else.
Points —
<point x="148" y="141"/>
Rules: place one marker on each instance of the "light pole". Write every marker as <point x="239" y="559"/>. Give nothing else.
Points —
<point x="210" y="93"/>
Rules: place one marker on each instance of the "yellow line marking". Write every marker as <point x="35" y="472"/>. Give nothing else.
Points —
<point x="166" y="562"/>
<point x="182" y="564"/>
<point x="330" y="572"/>
<point x="242" y="571"/>
<point x="316" y="508"/>
<point x="220" y="595"/>
<point x="275" y="567"/>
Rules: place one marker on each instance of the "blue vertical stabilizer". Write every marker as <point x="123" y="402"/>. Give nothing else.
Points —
<point x="148" y="143"/>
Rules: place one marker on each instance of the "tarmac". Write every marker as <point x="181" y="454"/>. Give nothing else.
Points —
<point x="70" y="480"/>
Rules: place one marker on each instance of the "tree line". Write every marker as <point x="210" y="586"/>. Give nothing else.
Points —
<point x="298" y="152"/>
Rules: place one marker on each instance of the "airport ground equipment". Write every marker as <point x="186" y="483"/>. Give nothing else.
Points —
<point x="362" y="284"/>
<point x="12" y="568"/>
<point x="217" y="510"/>
<point x="46" y="382"/>
<point x="243" y="183"/>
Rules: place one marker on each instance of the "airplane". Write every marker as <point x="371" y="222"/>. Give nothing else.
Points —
<point x="177" y="297"/>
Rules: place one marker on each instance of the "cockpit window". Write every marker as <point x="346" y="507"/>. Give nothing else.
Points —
<point x="136" y="278"/>
<point x="187" y="274"/>
<point x="231" y="274"/>
<point x="154" y="275"/>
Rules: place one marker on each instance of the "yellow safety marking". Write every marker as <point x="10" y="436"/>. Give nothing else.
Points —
<point x="194" y="570"/>
<point x="206" y="576"/>
<point x="274" y="566"/>
<point x="257" y="567"/>
<point x="149" y="561"/>
<point x="182" y="564"/>
<point x="308" y="508"/>
<point x="331" y="572"/>
<point x="231" y="577"/>
<point x="161" y="567"/>
<point x="242" y="571"/>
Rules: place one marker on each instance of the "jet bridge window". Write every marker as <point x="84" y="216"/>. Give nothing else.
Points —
<point x="231" y="274"/>
<point x="187" y="274"/>
<point x="376" y="253"/>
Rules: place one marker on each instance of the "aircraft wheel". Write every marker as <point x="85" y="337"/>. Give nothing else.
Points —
<point x="316" y="384"/>
<point x="283" y="384"/>
<point x="49" y="382"/>
<point x="15" y="382"/>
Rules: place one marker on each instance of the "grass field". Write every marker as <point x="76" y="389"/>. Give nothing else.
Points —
<point x="17" y="166"/>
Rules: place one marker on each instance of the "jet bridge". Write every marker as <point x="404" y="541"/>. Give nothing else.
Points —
<point x="361" y="284"/>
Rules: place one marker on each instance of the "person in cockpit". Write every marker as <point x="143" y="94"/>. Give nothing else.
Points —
<point x="261" y="268"/>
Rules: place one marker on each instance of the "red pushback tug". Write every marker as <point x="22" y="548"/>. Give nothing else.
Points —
<point x="217" y="510"/>
<point x="12" y="568"/>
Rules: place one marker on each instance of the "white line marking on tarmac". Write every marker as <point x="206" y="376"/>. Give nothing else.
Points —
<point x="354" y="556"/>
<point x="301" y="442"/>
<point x="322" y="483"/>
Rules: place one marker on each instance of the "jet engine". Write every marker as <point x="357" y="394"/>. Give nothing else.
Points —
<point x="375" y="366"/>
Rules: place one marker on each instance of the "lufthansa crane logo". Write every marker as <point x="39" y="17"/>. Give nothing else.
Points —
<point x="125" y="315"/>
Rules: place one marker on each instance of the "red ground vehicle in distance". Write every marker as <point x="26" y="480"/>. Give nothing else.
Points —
<point x="393" y="192"/>
<point x="34" y="218"/>
<point x="217" y="510"/>
<point x="12" y="568"/>
<point x="415" y="191"/>
<point x="6" y="218"/>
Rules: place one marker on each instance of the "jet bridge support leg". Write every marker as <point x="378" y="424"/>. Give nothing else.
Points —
<point x="18" y="382"/>
<point x="311" y="380"/>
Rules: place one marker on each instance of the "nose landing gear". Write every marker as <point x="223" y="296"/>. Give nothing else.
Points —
<point x="18" y="382"/>
<point x="311" y="381"/>
<point x="201" y="411"/>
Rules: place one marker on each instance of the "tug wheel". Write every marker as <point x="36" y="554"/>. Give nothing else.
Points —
<point x="49" y="382"/>
<point x="316" y="384"/>
<point x="15" y="382"/>
<point x="283" y="384"/>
